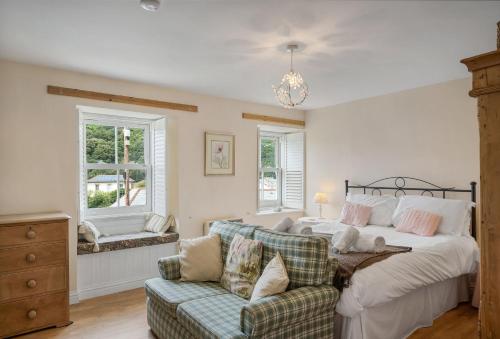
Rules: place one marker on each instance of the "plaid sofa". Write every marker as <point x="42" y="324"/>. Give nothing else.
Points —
<point x="178" y="309"/>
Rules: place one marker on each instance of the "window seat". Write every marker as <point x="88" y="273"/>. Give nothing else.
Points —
<point x="124" y="241"/>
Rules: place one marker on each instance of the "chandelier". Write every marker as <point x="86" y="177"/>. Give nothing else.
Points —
<point x="293" y="90"/>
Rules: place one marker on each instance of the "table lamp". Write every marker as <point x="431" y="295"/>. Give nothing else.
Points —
<point x="320" y="198"/>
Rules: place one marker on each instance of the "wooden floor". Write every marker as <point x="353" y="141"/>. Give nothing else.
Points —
<point x="123" y="315"/>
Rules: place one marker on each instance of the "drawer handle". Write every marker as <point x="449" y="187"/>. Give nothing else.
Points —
<point x="31" y="234"/>
<point x="31" y="283"/>
<point x="31" y="314"/>
<point x="30" y="257"/>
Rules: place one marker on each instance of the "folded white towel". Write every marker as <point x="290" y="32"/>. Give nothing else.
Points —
<point x="342" y="242"/>
<point x="369" y="243"/>
<point x="300" y="229"/>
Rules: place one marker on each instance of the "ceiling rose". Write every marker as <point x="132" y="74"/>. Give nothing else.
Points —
<point x="293" y="90"/>
<point x="150" y="5"/>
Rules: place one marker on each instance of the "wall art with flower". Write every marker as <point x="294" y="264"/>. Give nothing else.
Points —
<point x="219" y="154"/>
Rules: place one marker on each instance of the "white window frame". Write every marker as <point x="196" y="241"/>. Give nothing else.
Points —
<point x="87" y="118"/>
<point x="270" y="204"/>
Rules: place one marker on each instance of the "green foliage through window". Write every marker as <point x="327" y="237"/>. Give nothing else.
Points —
<point x="99" y="199"/>
<point x="268" y="152"/>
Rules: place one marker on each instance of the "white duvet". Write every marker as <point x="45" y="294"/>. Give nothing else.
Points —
<point x="433" y="259"/>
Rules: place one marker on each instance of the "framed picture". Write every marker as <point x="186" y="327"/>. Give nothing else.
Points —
<point x="219" y="154"/>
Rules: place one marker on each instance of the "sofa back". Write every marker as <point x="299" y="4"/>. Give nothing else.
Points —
<point x="227" y="230"/>
<point x="305" y="257"/>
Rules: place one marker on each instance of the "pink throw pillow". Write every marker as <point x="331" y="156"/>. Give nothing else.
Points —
<point x="419" y="222"/>
<point x="355" y="214"/>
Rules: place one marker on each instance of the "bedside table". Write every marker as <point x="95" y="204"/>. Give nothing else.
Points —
<point x="313" y="220"/>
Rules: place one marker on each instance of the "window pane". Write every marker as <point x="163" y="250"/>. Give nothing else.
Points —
<point x="100" y="144"/>
<point x="135" y="195"/>
<point x="134" y="148"/>
<point x="268" y="152"/>
<point x="270" y="186"/>
<point x="101" y="188"/>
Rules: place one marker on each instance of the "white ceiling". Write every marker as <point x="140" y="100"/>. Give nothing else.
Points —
<point x="234" y="48"/>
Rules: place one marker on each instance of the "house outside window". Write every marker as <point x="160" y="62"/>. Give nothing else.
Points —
<point x="121" y="157"/>
<point x="281" y="169"/>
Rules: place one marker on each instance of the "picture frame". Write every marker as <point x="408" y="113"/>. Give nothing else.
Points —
<point x="219" y="154"/>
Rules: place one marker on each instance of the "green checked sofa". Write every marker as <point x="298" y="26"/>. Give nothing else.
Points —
<point x="178" y="309"/>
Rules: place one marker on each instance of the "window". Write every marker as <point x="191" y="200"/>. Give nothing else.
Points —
<point x="120" y="159"/>
<point x="281" y="169"/>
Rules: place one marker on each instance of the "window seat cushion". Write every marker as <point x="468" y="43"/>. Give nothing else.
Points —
<point x="124" y="241"/>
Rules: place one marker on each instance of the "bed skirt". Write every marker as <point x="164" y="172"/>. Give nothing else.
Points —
<point x="401" y="317"/>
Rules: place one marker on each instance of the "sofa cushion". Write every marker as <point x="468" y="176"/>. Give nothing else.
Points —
<point x="170" y="293"/>
<point x="227" y="230"/>
<point x="162" y="324"/>
<point x="200" y="258"/>
<point x="305" y="257"/>
<point x="242" y="267"/>
<point x="213" y="317"/>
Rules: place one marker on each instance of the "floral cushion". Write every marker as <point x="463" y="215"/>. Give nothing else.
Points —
<point x="242" y="267"/>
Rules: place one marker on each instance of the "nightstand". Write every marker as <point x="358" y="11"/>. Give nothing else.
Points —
<point x="313" y="220"/>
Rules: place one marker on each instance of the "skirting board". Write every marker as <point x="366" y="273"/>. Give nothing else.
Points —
<point x="73" y="298"/>
<point x="111" y="288"/>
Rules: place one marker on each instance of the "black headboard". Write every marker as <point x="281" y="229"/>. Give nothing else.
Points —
<point x="399" y="186"/>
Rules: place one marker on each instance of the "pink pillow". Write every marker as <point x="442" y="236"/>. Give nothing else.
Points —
<point x="419" y="222"/>
<point x="355" y="214"/>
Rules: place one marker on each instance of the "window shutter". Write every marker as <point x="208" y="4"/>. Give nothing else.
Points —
<point x="293" y="170"/>
<point x="159" y="168"/>
<point x="83" y="174"/>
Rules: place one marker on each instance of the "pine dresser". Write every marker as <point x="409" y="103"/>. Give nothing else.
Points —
<point x="34" y="278"/>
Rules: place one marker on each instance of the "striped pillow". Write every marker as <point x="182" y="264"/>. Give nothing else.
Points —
<point x="419" y="222"/>
<point x="156" y="224"/>
<point x="355" y="214"/>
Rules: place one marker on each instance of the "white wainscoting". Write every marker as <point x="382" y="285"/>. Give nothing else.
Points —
<point x="111" y="272"/>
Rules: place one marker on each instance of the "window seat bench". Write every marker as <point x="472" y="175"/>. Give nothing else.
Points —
<point x="124" y="241"/>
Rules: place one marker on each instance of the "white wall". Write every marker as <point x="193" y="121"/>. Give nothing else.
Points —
<point x="39" y="148"/>
<point x="429" y="133"/>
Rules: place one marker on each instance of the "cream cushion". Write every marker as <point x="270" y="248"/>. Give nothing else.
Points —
<point x="90" y="232"/>
<point x="274" y="279"/>
<point x="201" y="258"/>
<point x="156" y="223"/>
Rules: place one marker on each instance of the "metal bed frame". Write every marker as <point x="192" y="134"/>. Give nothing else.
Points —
<point x="399" y="187"/>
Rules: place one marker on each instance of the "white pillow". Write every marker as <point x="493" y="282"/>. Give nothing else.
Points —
<point x="90" y="232"/>
<point x="455" y="213"/>
<point x="383" y="207"/>
<point x="274" y="279"/>
<point x="156" y="223"/>
<point x="283" y="225"/>
<point x="201" y="258"/>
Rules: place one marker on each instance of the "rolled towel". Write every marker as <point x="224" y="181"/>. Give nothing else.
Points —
<point x="283" y="225"/>
<point x="345" y="239"/>
<point x="369" y="243"/>
<point x="300" y="229"/>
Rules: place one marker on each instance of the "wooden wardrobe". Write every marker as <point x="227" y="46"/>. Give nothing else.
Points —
<point x="485" y="70"/>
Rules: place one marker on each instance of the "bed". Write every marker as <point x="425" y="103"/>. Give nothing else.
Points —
<point x="394" y="297"/>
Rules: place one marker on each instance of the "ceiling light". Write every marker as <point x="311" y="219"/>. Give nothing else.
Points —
<point x="293" y="90"/>
<point x="150" y="5"/>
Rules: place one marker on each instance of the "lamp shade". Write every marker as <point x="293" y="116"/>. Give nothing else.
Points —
<point x="320" y="198"/>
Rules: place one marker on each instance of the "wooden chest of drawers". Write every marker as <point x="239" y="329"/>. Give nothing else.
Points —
<point x="34" y="291"/>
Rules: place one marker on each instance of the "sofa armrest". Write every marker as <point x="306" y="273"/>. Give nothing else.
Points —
<point x="298" y="305"/>
<point x="331" y="270"/>
<point x="170" y="267"/>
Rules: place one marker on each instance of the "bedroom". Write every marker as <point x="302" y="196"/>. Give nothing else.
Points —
<point x="387" y="96"/>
